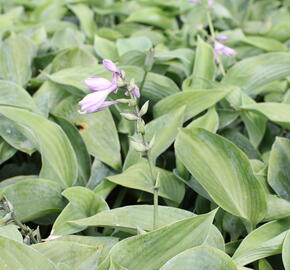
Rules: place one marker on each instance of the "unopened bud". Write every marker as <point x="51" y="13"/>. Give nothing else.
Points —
<point x="123" y="75"/>
<point x="138" y="146"/>
<point x="124" y="100"/>
<point x="132" y="85"/>
<point x="141" y="126"/>
<point x="149" y="60"/>
<point x="130" y="116"/>
<point x="144" y="108"/>
<point x="132" y="103"/>
<point x="151" y="143"/>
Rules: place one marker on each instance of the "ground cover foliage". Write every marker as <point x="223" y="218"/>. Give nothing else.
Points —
<point x="75" y="194"/>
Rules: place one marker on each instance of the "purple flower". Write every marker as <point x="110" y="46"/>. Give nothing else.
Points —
<point x="210" y="3"/>
<point x="135" y="92"/>
<point x="193" y="1"/>
<point x="222" y="38"/>
<point x="220" y="48"/>
<point x="99" y="84"/>
<point x="95" y="102"/>
<point x="111" y="66"/>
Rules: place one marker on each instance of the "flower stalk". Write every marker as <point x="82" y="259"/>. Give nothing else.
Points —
<point x="96" y="101"/>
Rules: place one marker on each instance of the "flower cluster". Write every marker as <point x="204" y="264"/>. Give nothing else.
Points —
<point x="220" y="48"/>
<point x="101" y="89"/>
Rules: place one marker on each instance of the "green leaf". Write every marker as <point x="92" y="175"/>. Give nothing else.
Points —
<point x="200" y="258"/>
<point x="59" y="162"/>
<point x="204" y="66"/>
<point x="138" y="177"/>
<point x="11" y="231"/>
<point x="82" y="203"/>
<point x="254" y="72"/>
<point x="209" y="121"/>
<point x="254" y="122"/>
<point x="141" y="252"/>
<point x="86" y="18"/>
<point x="76" y="255"/>
<point x="14" y="95"/>
<point x="279" y="170"/>
<point x="106" y="242"/>
<point x="195" y="101"/>
<point x="99" y="172"/>
<point x="134" y="217"/>
<point x="275" y="112"/>
<point x="153" y="16"/>
<point x="72" y="57"/>
<point x="67" y="37"/>
<point x="264" y="265"/>
<point x="13" y="134"/>
<point x="19" y="256"/>
<point x="266" y="44"/>
<point x="16" y="54"/>
<point x="82" y="155"/>
<point x="277" y="208"/>
<point x="105" y="49"/>
<point x="34" y="198"/>
<point x="72" y="79"/>
<point x="286" y="251"/>
<point x="6" y="151"/>
<point x="224" y="171"/>
<point x="265" y="241"/>
<point x="48" y="96"/>
<point x="125" y="45"/>
<point x="165" y="87"/>
<point x="98" y="131"/>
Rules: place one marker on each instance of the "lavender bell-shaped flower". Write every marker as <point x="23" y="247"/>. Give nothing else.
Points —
<point x="96" y="101"/>
<point x="111" y="66"/>
<point x="99" y="84"/>
<point x="220" y="48"/>
<point x="193" y="1"/>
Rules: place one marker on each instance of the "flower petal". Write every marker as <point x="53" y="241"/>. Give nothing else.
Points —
<point x="111" y="66"/>
<point x="91" y="102"/>
<point x="136" y="92"/>
<point x="97" y="83"/>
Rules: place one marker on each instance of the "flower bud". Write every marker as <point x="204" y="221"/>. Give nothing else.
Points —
<point x="151" y="142"/>
<point x="123" y="75"/>
<point x="141" y="126"/>
<point x="130" y="116"/>
<point x="124" y="100"/>
<point x="132" y="85"/>
<point x="138" y="146"/>
<point x="144" y="108"/>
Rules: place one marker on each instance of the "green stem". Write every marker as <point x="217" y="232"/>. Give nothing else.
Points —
<point x="155" y="207"/>
<point x="210" y="24"/>
<point x="151" y="169"/>
<point x="143" y="80"/>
